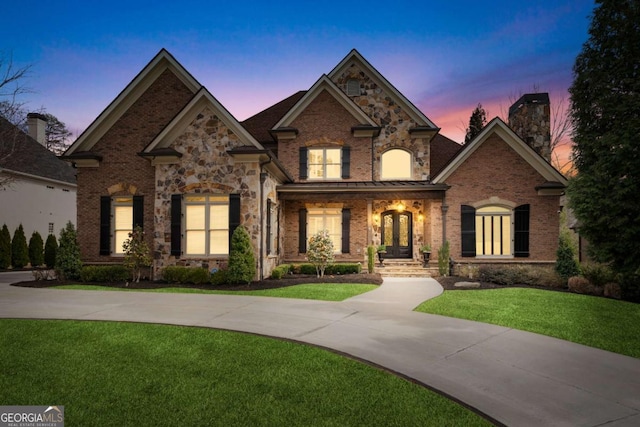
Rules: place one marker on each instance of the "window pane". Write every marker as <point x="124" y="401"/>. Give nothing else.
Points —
<point x="123" y="217"/>
<point x="404" y="230"/>
<point x="333" y="171"/>
<point x="333" y="156"/>
<point x="316" y="171"/>
<point x="195" y="242"/>
<point x="194" y="217"/>
<point x="219" y="242"/>
<point x="120" y="237"/>
<point x="506" y="235"/>
<point x="396" y="164"/>
<point x="316" y="157"/>
<point x="218" y="217"/>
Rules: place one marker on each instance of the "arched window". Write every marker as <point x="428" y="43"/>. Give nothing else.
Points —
<point x="396" y="164"/>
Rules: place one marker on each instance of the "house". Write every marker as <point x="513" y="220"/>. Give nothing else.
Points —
<point x="37" y="189"/>
<point x="351" y="155"/>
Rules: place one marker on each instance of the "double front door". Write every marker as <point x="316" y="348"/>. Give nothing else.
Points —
<point x="396" y="234"/>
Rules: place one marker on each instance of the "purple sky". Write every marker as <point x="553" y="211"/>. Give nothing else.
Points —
<point x="446" y="57"/>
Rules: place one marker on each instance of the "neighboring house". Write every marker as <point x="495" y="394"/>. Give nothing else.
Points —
<point x="38" y="189"/>
<point x="351" y="155"/>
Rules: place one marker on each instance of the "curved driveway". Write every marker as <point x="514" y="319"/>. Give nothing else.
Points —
<point x="517" y="378"/>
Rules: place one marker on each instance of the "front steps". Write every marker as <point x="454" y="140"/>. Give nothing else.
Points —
<point x="406" y="268"/>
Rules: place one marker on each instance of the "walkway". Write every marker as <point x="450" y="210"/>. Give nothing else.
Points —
<point x="516" y="377"/>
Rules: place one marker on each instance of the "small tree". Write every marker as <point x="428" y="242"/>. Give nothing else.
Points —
<point x="5" y="247"/>
<point x="477" y="121"/>
<point x="443" y="259"/>
<point x="566" y="263"/>
<point x="136" y="253"/>
<point x="320" y="251"/>
<point x="36" y="250"/>
<point x="242" y="262"/>
<point x="68" y="264"/>
<point x="19" y="249"/>
<point x="371" y="253"/>
<point x="50" y="249"/>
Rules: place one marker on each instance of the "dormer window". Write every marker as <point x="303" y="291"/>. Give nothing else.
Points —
<point x="353" y="87"/>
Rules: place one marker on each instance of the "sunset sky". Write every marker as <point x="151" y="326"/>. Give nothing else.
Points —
<point x="446" y="57"/>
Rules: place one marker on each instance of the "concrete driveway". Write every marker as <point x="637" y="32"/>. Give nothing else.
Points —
<point x="515" y="377"/>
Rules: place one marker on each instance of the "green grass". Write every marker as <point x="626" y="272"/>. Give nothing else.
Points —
<point x="316" y="291"/>
<point x="125" y="374"/>
<point x="597" y="322"/>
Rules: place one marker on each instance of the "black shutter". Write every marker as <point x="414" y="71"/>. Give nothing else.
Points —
<point x="234" y="215"/>
<point x="105" y="225"/>
<point x="302" y="231"/>
<point x="521" y="231"/>
<point x="138" y="212"/>
<point x="303" y="163"/>
<point x="468" y="230"/>
<point x="346" y="227"/>
<point x="176" y="225"/>
<point x="346" y="162"/>
<point x="269" y="204"/>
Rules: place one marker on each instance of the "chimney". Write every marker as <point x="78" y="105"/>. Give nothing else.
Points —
<point x="530" y="119"/>
<point x="37" y="123"/>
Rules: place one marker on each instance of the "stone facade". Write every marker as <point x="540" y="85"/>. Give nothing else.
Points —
<point x="530" y="119"/>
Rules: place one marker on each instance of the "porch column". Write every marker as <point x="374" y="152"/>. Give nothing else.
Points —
<point x="369" y="221"/>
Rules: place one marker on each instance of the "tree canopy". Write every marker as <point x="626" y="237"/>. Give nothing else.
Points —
<point x="477" y="121"/>
<point x="605" y="111"/>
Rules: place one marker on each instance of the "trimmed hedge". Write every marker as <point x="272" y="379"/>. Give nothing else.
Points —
<point x="511" y="275"/>
<point x="180" y="274"/>
<point x="104" y="273"/>
<point x="280" y="271"/>
<point x="336" y="269"/>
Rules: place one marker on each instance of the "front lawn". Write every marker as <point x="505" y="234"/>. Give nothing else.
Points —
<point x="597" y="322"/>
<point x="125" y="374"/>
<point x="316" y="291"/>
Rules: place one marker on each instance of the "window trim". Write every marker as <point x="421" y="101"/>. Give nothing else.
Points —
<point x="209" y="200"/>
<point x="324" y="164"/>
<point x="115" y="203"/>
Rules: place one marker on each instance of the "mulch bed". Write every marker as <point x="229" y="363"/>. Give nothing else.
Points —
<point x="263" y="284"/>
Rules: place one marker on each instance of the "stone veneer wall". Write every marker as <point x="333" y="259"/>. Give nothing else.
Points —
<point x="495" y="170"/>
<point x="205" y="167"/>
<point x="122" y="171"/>
<point x="532" y="123"/>
<point x="390" y="116"/>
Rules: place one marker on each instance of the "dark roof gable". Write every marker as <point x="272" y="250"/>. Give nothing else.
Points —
<point x="259" y="124"/>
<point x="21" y="153"/>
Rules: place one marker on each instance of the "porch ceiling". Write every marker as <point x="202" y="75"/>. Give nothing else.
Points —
<point x="362" y="190"/>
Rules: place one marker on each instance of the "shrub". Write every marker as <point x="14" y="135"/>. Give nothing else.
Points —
<point x="104" y="273"/>
<point x="5" y="247"/>
<point x="344" y="268"/>
<point x="566" y="264"/>
<point x="175" y="274"/>
<point x="50" y="249"/>
<point x="36" y="250"/>
<point x="511" y="275"/>
<point x="218" y="277"/>
<point x="19" y="249"/>
<point x="68" y="264"/>
<point x="371" y="260"/>
<point x="320" y="251"/>
<point x="43" y="275"/>
<point x="242" y="263"/>
<point x="136" y="253"/>
<point x="443" y="259"/>
<point x="598" y="274"/>
<point x="280" y="271"/>
<point x="198" y="276"/>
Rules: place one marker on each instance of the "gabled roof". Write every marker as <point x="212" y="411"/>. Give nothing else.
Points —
<point x="324" y="84"/>
<point x="21" y="154"/>
<point x="178" y="124"/>
<point x="441" y="152"/>
<point x="497" y="126"/>
<point x="161" y="62"/>
<point x="259" y="124"/>
<point x="355" y="57"/>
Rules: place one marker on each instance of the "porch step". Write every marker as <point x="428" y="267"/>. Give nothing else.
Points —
<point x="405" y="268"/>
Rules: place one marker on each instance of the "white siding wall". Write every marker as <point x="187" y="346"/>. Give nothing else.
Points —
<point x="34" y="204"/>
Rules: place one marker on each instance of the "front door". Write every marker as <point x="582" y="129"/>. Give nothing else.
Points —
<point x="396" y="234"/>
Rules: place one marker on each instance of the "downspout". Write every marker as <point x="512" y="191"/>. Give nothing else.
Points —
<point x="263" y="178"/>
<point x="444" y="209"/>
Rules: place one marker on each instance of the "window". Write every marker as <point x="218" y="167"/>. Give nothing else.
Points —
<point x="272" y="228"/>
<point x="324" y="163"/>
<point x="118" y="217"/>
<point x="353" y="87"/>
<point x="396" y="164"/>
<point x="122" y="222"/>
<point x="326" y="219"/>
<point x="51" y="228"/>
<point x="206" y="224"/>
<point x="495" y="231"/>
